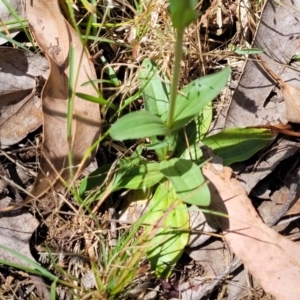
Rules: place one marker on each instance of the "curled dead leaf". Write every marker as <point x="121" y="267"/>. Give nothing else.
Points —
<point x="269" y="257"/>
<point x="56" y="38"/>
<point x="20" y="106"/>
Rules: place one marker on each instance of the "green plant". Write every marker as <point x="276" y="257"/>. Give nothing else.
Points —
<point x="175" y="122"/>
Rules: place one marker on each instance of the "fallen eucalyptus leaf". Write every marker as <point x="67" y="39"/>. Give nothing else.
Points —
<point x="20" y="107"/>
<point x="269" y="257"/>
<point x="58" y="40"/>
<point x="15" y="235"/>
<point x="290" y="95"/>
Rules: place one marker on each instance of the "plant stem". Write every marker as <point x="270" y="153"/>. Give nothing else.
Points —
<point x="176" y="75"/>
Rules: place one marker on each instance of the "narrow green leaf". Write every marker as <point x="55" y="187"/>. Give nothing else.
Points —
<point x="99" y="100"/>
<point x="19" y="45"/>
<point x="172" y="236"/>
<point x="182" y="13"/>
<point x="20" y="21"/>
<point x="129" y="176"/>
<point x="203" y="121"/>
<point x="97" y="178"/>
<point x="94" y="179"/>
<point x="97" y="81"/>
<point x="155" y="91"/>
<point x="145" y="175"/>
<point x="296" y="57"/>
<point x="245" y="51"/>
<point x="34" y="265"/>
<point x="196" y="95"/>
<point x="138" y="124"/>
<point x="238" y="144"/>
<point x="53" y="291"/>
<point x="110" y="71"/>
<point x="232" y="144"/>
<point x="129" y="100"/>
<point x="187" y="180"/>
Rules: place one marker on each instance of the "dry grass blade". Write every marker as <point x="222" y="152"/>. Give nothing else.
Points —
<point x="56" y="37"/>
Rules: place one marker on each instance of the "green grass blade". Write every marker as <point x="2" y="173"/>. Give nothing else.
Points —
<point x="35" y="266"/>
<point x="19" y="20"/>
<point x="98" y="100"/>
<point x="53" y="291"/>
<point x="19" y="45"/>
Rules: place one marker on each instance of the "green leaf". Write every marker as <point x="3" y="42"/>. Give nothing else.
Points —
<point x="94" y="179"/>
<point x="99" y="100"/>
<point x="130" y="175"/>
<point x="238" y="144"/>
<point x="245" y="51"/>
<point x="34" y="265"/>
<point x="196" y="95"/>
<point x="145" y="175"/>
<point x="233" y="144"/>
<point x="182" y="13"/>
<point x="97" y="178"/>
<point x="53" y="291"/>
<point x="187" y="180"/>
<point x="155" y="91"/>
<point x="186" y="135"/>
<point x="156" y="94"/>
<point x="138" y="124"/>
<point x="203" y="121"/>
<point x="170" y="239"/>
<point x="296" y="57"/>
<point x="166" y="147"/>
<point x="110" y="71"/>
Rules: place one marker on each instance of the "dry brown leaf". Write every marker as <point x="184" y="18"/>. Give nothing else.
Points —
<point x="7" y="17"/>
<point x="15" y="235"/>
<point x="290" y="95"/>
<point x="269" y="257"/>
<point x="56" y="37"/>
<point x="277" y="35"/>
<point x="280" y="196"/>
<point x="20" y="107"/>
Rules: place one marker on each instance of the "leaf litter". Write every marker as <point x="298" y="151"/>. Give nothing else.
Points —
<point x="18" y="77"/>
<point x="57" y="161"/>
<point x="21" y="106"/>
<point x="57" y="39"/>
